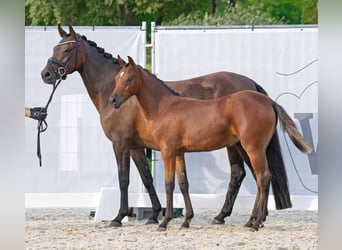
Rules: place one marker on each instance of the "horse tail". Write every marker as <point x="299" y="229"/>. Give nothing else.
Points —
<point x="277" y="168"/>
<point x="288" y="125"/>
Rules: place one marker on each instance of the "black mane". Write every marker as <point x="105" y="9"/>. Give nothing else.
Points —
<point x="100" y="50"/>
<point x="162" y="83"/>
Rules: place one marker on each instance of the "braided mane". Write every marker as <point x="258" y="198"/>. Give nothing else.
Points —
<point x="100" y="50"/>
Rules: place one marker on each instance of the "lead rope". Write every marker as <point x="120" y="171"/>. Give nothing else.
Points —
<point x="42" y="124"/>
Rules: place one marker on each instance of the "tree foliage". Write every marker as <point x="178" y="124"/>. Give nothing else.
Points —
<point x="290" y="11"/>
<point x="133" y="12"/>
<point x="231" y="15"/>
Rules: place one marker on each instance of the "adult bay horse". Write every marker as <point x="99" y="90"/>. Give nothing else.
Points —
<point x="98" y="69"/>
<point x="176" y="125"/>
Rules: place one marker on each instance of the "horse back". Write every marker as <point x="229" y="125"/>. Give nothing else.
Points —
<point x="213" y="85"/>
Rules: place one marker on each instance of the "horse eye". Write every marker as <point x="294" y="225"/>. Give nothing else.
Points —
<point x="129" y="79"/>
<point x="66" y="50"/>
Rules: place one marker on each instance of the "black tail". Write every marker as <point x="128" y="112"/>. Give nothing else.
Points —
<point x="276" y="166"/>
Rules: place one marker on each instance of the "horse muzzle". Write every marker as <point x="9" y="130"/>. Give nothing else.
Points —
<point x="115" y="101"/>
<point x="48" y="76"/>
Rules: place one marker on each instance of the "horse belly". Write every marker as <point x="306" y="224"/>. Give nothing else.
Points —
<point x="207" y="138"/>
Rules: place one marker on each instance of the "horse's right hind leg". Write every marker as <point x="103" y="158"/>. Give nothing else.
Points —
<point x="263" y="178"/>
<point x="237" y="175"/>
<point x="246" y="159"/>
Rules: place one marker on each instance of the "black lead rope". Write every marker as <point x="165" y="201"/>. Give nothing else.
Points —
<point x="42" y="124"/>
<point x="61" y="71"/>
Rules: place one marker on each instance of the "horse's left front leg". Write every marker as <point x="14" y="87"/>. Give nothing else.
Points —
<point x="141" y="162"/>
<point x="184" y="187"/>
<point x="169" y="167"/>
<point x="123" y="162"/>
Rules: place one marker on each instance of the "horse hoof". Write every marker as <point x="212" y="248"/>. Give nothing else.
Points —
<point x="255" y="227"/>
<point x="161" y="229"/>
<point x="151" y="221"/>
<point x="249" y="224"/>
<point x="252" y="229"/>
<point x="115" y="224"/>
<point x="218" y="221"/>
<point x="185" y="225"/>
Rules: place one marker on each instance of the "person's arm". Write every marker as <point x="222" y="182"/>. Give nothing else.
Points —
<point x="27" y="112"/>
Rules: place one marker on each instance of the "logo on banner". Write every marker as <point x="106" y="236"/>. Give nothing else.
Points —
<point x="305" y="120"/>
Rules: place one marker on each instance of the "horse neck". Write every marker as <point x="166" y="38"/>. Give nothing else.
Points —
<point x="152" y="94"/>
<point x="97" y="73"/>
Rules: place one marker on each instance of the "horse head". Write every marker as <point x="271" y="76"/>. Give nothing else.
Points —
<point x="64" y="58"/>
<point x="125" y="82"/>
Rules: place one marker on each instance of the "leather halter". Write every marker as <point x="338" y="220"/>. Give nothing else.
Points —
<point x="61" y="71"/>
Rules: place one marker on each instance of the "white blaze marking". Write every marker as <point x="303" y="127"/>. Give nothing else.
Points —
<point x="121" y="74"/>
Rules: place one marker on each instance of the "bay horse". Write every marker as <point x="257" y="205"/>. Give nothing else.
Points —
<point x="98" y="68"/>
<point x="176" y="125"/>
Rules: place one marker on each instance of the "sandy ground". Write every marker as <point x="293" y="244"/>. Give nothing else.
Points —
<point x="71" y="228"/>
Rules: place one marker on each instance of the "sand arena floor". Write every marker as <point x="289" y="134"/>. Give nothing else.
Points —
<point x="71" y="228"/>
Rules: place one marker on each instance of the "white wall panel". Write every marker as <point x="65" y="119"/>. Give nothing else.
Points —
<point x="76" y="155"/>
<point x="283" y="60"/>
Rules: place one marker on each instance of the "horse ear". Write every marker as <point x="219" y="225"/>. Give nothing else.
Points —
<point x="61" y="32"/>
<point x="121" y="62"/>
<point x="72" y="32"/>
<point x="131" y="61"/>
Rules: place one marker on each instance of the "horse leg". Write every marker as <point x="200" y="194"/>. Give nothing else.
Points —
<point x="184" y="187"/>
<point x="238" y="173"/>
<point x="169" y="166"/>
<point x="122" y="158"/>
<point x="245" y="157"/>
<point x="253" y="216"/>
<point x="141" y="162"/>
<point x="263" y="178"/>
